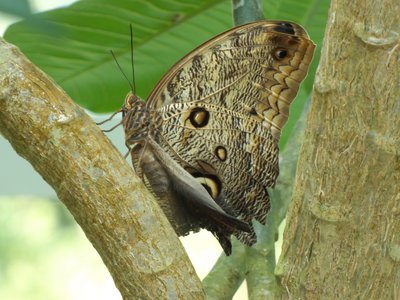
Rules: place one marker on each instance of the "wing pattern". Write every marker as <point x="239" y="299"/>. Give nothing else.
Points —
<point x="223" y="107"/>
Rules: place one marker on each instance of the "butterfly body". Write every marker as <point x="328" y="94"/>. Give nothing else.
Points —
<point x="217" y="115"/>
<point x="138" y="120"/>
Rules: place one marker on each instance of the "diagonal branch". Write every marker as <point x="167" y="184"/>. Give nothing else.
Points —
<point x="95" y="183"/>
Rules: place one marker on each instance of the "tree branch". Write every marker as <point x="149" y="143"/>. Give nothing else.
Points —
<point x="228" y="273"/>
<point x="96" y="184"/>
<point x="341" y="238"/>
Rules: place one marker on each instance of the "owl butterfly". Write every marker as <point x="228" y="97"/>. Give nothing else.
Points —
<point x="206" y="140"/>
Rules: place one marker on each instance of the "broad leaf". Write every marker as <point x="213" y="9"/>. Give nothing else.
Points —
<point x="75" y="48"/>
<point x="78" y="55"/>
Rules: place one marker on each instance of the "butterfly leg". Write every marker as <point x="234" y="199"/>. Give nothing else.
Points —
<point x="112" y="128"/>
<point x="110" y="118"/>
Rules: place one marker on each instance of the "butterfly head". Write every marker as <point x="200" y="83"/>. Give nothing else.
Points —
<point x="136" y="119"/>
<point x="131" y="102"/>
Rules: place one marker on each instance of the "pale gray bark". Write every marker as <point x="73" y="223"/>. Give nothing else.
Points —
<point x="342" y="239"/>
<point x="99" y="188"/>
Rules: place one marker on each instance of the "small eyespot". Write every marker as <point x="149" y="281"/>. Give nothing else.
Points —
<point x="199" y="117"/>
<point x="221" y="153"/>
<point x="280" y="54"/>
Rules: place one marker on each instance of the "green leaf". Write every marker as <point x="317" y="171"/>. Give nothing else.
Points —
<point x="76" y="50"/>
<point x="79" y="59"/>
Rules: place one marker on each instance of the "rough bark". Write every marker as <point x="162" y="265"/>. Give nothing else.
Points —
<point x="96" y="184"/>
<point x="342" y="229"/>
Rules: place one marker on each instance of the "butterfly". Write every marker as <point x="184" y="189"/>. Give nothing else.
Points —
<point x="206" y="140"/>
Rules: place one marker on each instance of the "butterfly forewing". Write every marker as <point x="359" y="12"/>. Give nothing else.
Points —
<point x="223" y="106"/>
<point x="219" y="112"/>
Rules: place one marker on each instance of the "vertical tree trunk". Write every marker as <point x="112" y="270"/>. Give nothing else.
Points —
<point x="342" y="238"/>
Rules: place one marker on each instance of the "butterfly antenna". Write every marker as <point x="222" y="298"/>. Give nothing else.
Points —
<point x="122" y="71"/>
<point x="132" y="62"/>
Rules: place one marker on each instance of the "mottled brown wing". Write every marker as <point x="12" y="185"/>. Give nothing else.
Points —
<point x="223" y="107"/>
